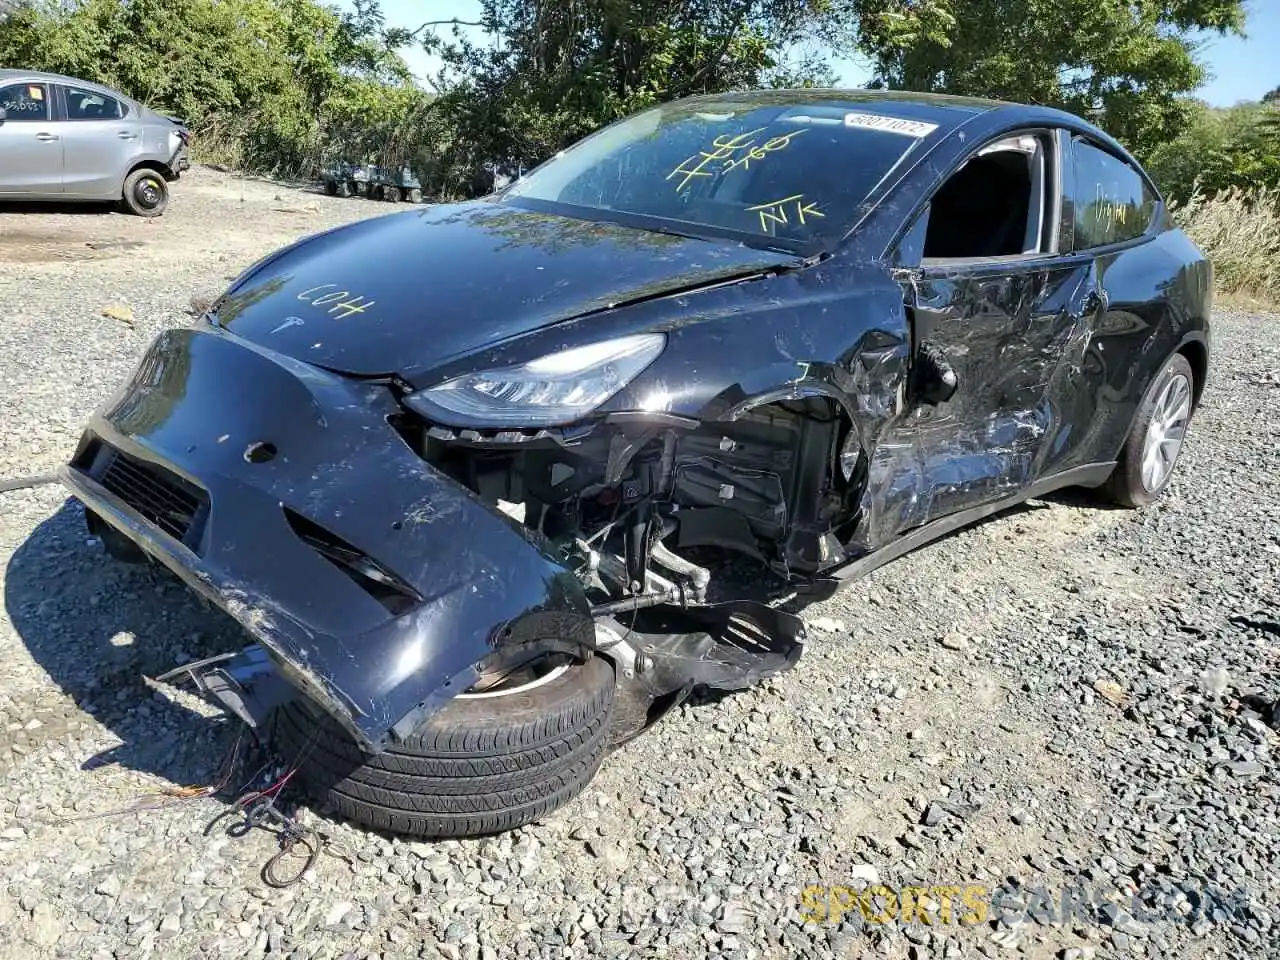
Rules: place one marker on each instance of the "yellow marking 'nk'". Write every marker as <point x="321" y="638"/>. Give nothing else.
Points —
<point x="775" y="211"/>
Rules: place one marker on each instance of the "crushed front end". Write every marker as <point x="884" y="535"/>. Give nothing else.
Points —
<point x="386" y="565"/>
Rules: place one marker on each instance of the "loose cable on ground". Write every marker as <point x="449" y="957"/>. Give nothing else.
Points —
<point x="24" y="483"/>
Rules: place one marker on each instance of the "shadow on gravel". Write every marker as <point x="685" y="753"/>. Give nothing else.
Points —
<point x="98" y="627"/>
<point x="84" y="208"/>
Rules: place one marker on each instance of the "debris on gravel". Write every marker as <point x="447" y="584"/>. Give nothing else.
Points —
<point x="1053" y="734"/>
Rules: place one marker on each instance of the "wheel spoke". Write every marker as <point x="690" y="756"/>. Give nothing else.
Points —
<point x="1150" y="466"/>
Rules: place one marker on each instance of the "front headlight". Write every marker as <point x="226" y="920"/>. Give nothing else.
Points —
<point x="549" y="391"/>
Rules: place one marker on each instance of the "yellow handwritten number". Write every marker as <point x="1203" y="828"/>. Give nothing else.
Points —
<point x="732" y="153"/>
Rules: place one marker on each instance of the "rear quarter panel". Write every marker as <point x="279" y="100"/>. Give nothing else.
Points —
<point x="1158" y="298"/>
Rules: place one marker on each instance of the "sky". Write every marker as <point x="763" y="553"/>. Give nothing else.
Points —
<point x="1236" y="66"/>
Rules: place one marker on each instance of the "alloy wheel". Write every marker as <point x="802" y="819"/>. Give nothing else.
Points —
<point x="1165" y="432"/>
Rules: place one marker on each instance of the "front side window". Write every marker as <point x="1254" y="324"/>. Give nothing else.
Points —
<point x="758" y="169"/>
<point x="90" y="105"/>
<point x="1111" y="202"/>
<point x="994" y="205"/>
<point x="25" y="102"/>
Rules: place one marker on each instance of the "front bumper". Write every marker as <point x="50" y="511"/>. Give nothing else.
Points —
<point x="229" y="464"/>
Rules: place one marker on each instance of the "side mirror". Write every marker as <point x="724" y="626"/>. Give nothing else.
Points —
<point x="933" y="379"/>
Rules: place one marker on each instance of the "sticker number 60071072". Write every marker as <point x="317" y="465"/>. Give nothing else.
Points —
<point x="340" y="303"/>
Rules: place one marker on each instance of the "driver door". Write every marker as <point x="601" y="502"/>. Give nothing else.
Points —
<point x="993" y="311"/>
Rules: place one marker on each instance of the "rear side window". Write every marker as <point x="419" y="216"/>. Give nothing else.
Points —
<point x="25" y="101"/>
<point x="91" y="105"/>
<point x="1111" y="202"/>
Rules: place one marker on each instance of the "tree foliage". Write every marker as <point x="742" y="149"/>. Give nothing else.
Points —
<point x="276" y="79"/>
<point x="281" y="85"/>
<point x="1126" y="65"/>
<point x="1221" y="149"/>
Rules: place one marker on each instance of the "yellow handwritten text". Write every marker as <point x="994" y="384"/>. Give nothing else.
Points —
<point x="340" y="303"/>
<point x="731" y="153"/>
<point x="775" y="211"/>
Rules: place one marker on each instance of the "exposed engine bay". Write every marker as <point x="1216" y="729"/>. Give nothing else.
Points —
<point x="617" y="499"/>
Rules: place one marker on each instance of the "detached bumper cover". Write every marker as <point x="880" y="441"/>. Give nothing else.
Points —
<point x="281" y="493"/>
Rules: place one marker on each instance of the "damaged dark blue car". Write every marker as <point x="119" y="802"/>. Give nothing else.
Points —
<point x="462" y="472"/>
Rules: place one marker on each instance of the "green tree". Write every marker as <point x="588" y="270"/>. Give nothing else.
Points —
<point x="271" y="83"/>
<point x="553" y="71"/>
<point x="1220" y="149"/>
<point x="1127" y="65"/>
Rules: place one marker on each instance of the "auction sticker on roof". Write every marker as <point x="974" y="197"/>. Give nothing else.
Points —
<point x="874" y="121"/>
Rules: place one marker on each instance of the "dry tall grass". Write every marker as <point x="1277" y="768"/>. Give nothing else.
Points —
<point x="1240" y="231"/>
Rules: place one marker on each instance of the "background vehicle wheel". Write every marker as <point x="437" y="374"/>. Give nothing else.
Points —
<point x="413" y="195"/>
<point x="343" y="189"/>
<point x="331" y="188"/>
<point x="145" y="193"/>
<point x="391" y="194"/>
<point x="486" y="763"/>
<point x="1156" y="437"/>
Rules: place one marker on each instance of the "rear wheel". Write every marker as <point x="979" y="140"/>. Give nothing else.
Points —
<point x="489" y="761"/>
<point x="145" y="193"/>
<point x="331" y="188"/>
<point x="413" y="195"/>
<point x="1156" y="437"/>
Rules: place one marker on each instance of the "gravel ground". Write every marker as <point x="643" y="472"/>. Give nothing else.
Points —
<point x="1066" y="701"/>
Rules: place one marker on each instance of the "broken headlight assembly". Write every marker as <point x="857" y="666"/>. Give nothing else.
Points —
<point x="552" y="390"/>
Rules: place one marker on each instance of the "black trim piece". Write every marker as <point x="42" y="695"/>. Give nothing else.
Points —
<point x="395" y="595"/>
<point x="1088" y="475"/>
<point x="156" y="494"/>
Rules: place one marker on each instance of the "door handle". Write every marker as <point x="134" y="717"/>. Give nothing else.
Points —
<point x="126" y="135"/>
<point x="46" y="137"/>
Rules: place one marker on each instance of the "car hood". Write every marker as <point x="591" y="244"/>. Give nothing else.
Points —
<point x="404" y="293"/>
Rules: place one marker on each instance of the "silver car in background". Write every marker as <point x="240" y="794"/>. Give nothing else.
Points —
<point x="68" y="139"/>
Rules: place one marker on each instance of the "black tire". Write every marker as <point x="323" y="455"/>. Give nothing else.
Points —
<point x="1127" y="486"/>
<point x="331" y="188"/>
<point x="391" y="194"/>
<point x="145" y="193"/>
<point x="477" y="767"/>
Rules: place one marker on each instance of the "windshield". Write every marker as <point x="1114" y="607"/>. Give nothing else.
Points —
<point x="791" y="175"/>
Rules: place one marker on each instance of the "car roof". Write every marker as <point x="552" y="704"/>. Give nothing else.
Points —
<point x="945" y="110"/>
<point x="9" y="73"/>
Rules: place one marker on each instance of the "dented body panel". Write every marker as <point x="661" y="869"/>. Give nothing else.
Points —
<point x="473" y="584"/>
<point x="818" y="406"/>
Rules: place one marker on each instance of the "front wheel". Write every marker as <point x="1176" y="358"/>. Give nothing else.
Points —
<point x="1156" y="437"/>
<point x="145" y="193"/>
<point x="488" y="762"/>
